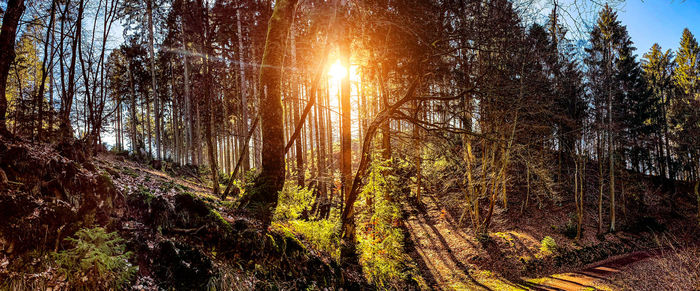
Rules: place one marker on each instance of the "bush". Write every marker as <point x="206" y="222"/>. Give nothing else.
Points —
<point x="380" y="239"/>
<point x="96" y="261"/>
<point x="548" y="246"/>
<point x="321" y="234"/>
<point x="293" y="202"/>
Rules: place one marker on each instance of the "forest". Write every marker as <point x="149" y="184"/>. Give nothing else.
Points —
<point x="346" y="145"/>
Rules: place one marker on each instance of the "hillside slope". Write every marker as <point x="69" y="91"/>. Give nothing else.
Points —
<point x="180" y="237"/>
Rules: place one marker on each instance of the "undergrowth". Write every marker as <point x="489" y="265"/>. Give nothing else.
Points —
<point x="380" y="237"/>
<point x="97" y="260"/>
<point x="293" y="202"/>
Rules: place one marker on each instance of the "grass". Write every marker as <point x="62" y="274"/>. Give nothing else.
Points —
<point x="321" y="234"/>
<point x="677" y="269"/>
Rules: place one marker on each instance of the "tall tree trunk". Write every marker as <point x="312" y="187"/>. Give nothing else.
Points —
<point x="65" y="127"/>
<point x="386" y="128"/>
<point x="417" y="148"/>
<point x="611" y="158"/>
<point x="324" y="204"/>
<point x="271" y="179"/>
<point x="244" y="91"/>
<point x="14" y="11"/>
<point x="135" y="147"/>
<point x="189" y="144"/>
<point x="345" y="121"/>
<point x="151" y="52"/>
<point x="44" y="74"/>
<point x="209" y="113"/>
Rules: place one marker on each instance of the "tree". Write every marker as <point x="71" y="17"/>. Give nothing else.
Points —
<point x="271" y="179"/>
<point x="608" y="61"/>
<point x="345" y="114"/>
<point x="658" y="72"/>
<point x="686" y="110"/>
<point x="15" y="8"/>
<point x="68" y="95"/>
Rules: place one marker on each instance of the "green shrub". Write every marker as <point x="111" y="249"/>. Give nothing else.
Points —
<point x="293" y="202"/>
<point x="322" y="235"/>
<point x="548" y="246"/>
<point x="380" y="237"/>
<point x="97" y="260"/>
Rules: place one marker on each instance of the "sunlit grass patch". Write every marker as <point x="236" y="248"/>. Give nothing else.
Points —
<point x="492" y="281"/>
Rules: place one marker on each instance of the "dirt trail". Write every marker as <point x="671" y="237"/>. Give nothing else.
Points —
<point x="591" y="278"/>
<point x="439" y="248"/>
<point x="441" y="252"/>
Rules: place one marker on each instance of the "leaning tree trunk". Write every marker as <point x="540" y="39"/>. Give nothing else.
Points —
<point x="15" y="8"/>
<point x="270" y="181"/>
<point x="347" y="229"/>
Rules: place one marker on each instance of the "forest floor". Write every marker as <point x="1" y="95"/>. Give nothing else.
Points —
<point x="178" y="234"/>
<point x="444" y="254"/>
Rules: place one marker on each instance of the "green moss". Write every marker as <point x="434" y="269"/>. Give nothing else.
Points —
<point x="219" y="220"/>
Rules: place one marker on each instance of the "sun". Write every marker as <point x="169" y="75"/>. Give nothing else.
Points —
<point x="337" y="71"/>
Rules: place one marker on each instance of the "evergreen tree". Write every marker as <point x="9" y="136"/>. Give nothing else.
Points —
<point x="634" y="109"/>
<point x="686" y="110"/>
<point x="620" y="100"/>
<point x="658" y="73"/>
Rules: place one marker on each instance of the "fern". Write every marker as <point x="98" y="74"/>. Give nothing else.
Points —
<point x="97" y="260"/>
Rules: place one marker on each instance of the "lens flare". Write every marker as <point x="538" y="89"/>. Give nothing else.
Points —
<point x="337" y="71"/>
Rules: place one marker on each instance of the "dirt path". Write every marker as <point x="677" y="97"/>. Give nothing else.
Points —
<point x="441" y="252"/>
<point x="596" y="277"/>
<point x="439" y="249"/>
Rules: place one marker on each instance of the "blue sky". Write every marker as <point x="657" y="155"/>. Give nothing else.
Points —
<point x="659" y="21"/>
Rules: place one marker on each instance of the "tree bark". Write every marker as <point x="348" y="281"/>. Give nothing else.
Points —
<point x="65" y="127"/>
<point x="42" y="85"/>
<point x="345" y="124"/>
<point x="151" y="51"/>
<point x="244" y="91"/>
<point x="271" y="179"/>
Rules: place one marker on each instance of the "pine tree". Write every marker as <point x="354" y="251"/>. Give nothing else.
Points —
<point x="686" y="110"/>
<point x="658" y="72"/>
<point x="613" y="78"/>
